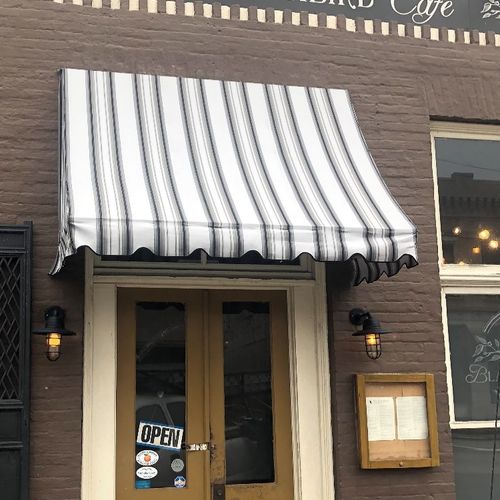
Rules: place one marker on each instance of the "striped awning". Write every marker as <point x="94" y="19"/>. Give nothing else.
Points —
<point x="180" y="164"/>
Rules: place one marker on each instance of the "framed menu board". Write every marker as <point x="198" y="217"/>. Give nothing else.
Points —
<point x="397" y="420"/>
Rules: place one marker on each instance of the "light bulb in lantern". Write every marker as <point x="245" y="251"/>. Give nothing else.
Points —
<point x="457" y="230"/>
<point x="476" y="250"/>
<point x="53" y="346"/>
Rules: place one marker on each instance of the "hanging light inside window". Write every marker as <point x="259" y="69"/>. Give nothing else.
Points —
<point x="476" y="250"/>
<point x="457" y="230"/>
<point x="484" y="234"/>
<point x="493" y="244"/>
<point x="54" y="331"/>
<point x="371" y="331"/>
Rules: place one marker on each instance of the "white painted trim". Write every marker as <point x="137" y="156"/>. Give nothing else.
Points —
<point x="470" y="275"/>
<point x="309" y="376"/>
<point x="471" y="290"/>
<point x="206" y="268"/>
<point x="99" y="396"/>
<point x="447" y="359"/>
<point x="437" y="212"/>
<point x="325" y="430"/>
<point x="87" y="457"/>
<point x="201" y="282"/>
<point x="458" y="130"/>
<point x="477" y="424"/>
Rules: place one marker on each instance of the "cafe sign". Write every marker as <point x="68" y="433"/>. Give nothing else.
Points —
<point x="482" y="15"/>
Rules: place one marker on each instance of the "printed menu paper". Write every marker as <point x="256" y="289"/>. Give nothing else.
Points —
<point x="381" y="419"/>
<point x="412" y="417"/>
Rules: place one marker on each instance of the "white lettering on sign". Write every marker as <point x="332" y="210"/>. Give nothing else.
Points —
<point x="419" y="11"/>
<point x="479" y="375"/>
<point x="423" y="11"/>
<point x="160" y="436"/>
<point x="353" y="4"/>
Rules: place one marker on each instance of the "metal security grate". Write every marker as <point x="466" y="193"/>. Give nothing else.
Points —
<point x="10" y="302"/>
<point x="15" y="277"/>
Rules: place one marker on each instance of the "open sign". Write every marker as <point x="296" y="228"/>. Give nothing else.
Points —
<point x="160" y="436"/>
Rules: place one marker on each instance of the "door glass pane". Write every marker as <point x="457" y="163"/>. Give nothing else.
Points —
<point x="473" y="454"/>
<point x="474" y="333"/>
<point x="469" y="182"/>
<point x="160" y="395"/>
<point x="248" y="395"/>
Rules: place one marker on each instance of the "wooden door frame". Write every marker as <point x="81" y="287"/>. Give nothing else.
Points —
<point x="309" y="375"/>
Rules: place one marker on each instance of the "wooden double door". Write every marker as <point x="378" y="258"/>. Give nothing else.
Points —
<point x="203" y="396"/>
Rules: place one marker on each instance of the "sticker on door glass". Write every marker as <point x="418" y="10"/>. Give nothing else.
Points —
<point x="146" y="472"/>
<point x="142" y="484"/>
<point x="147" y="457"/>
<point x="177" y="464"/>
<point x="160" y="436"/>
<point x="180" y="482"/>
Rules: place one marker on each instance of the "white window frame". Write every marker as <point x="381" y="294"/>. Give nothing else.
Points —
<point x="312" y="440"/>
<point x="468" y="279"/>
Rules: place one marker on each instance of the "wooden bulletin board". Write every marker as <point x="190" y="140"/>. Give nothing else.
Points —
<point x="397" y="421"/>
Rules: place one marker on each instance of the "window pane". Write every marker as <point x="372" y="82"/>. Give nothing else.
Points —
<point x="473" y="454"/>
<point x="474" y="333"/>
<point x="469" y="197"/>
<point x="160" y="386"/>
<point x="248" y="395"/>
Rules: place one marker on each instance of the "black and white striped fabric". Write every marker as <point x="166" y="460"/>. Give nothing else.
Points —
<point x="179" y="164"/>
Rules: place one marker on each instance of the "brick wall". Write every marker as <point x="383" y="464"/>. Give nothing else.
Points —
<point x="396" y="84"/>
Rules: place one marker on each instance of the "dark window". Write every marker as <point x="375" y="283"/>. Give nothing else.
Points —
<point x="474" y="332"/>
<point x="248" y="393"/>
<point x="468" y="173"/>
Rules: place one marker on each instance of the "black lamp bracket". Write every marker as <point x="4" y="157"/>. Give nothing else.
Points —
<point x="357" y="316"/>
<point x="54" y="322"/>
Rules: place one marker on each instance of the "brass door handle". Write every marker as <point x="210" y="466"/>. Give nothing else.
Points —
<point x="196" y="447"/>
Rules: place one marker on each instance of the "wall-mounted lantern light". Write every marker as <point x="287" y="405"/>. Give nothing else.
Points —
<point x="371" y="331"/>
<point x="54" y="331"/>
